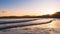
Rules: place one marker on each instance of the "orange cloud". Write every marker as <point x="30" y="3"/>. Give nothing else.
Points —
<point x="8" y="13"/>
<point x="17" y="13"/>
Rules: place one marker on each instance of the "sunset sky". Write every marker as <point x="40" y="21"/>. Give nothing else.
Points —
<point x="28" y="7"/>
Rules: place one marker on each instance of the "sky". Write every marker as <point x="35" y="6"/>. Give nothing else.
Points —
<point x="28" y="7"/>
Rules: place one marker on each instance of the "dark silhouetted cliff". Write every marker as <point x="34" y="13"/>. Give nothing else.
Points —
<point x="56" y="15"/>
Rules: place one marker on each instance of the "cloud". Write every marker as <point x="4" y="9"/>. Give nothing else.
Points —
<point x="4" y="13"/>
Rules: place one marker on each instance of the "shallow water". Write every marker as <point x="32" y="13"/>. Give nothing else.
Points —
<point x="49" y="28"/>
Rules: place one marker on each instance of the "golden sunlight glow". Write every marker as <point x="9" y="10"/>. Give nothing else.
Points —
<point x="49" y="12"/>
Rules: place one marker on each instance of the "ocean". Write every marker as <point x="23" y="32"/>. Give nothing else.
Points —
<point x="28" y="26"/>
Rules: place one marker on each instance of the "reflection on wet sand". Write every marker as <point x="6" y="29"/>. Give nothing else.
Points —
<point x="49" y="28"/>
<point x="23" y="25"/>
